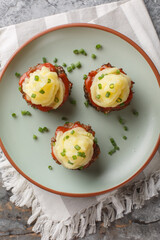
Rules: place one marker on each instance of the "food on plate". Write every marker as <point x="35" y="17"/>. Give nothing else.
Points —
<point x="74" y="146"/>
<point x="45" y="86"/>
<point x="108" y="88"/>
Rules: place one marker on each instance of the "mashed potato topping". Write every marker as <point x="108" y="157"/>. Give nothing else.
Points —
<point x="45" y="88"/>
<point x="74" y="148"/>
<point x="110" y="88"/>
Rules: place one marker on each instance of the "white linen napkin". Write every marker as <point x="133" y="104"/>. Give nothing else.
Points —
<point x="62" y="218"/>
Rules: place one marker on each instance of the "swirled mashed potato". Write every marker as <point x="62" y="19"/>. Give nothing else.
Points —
<point x="45" y="88"/>
<point x="74" y="148"/>
<point x="110" y="88"/>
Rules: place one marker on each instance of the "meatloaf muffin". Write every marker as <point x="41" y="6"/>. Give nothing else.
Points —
<point x="74" y="146"/>
<point x="108" y="88"/>
<point x="45" y="86"/>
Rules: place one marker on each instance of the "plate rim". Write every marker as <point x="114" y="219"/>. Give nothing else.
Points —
<point x="144" y="55"/>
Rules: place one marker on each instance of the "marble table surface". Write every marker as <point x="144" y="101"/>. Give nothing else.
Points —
<point x="142" y="224"/>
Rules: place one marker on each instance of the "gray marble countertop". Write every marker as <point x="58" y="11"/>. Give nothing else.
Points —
<point x="142" y="224"/>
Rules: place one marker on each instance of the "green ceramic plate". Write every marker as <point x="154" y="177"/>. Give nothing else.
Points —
<point x="32" y="158"/>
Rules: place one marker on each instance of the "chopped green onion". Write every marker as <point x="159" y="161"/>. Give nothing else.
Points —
<point x="45" y="129"/>
<point x="98" y="46"/>
<point x="64" y="65"/>
<point x="40" y="129"/>
<point x="73" y="66"/>
<point x="84" y="76"/>
<point x="108" y="94"/>
<point x="113" y="142"/>
<point x="55" y="60"/>
<point x="44" y="60"/>
<point x="36" y="78"/>
<point x="17" y="74"/>
<point x="82" y="51"/>
<point x="50" y="168"/>
<point x="72" y="101"/>
<point x="78" y="65"/>
<point x="125" y="128"/>
<point x="49" y="80"/>
<point x="100" y="86"/>
<point x="118" y="71"/>
<point x="42" y="91"/>
<point x="66" y="122"/>
<point x="26" y="113"/>
<point x="135" y="112"/>
<point x="69" y="69"/>
<point x="74" y="157"/>
<point x="124" y="137"/>
<point x="81" y="154"/>
<point x="98" y="96"/>
<point x="111" y="85"/>
<point x="100" y="77"/>
<point x="76" y="51"/>
<point x="112" y="151"/>
<point x="121" y="121"/>
<point x="72" y="132"/>
<point x="80" y="168"/>
<point x="14" y="115"/>
<point x="86" y="104"/>
<point x="119" y="100"/>
<point x="70" y="162"/>
<point x="64" y="118"/>
<point x="56" y="100"/>
<point x="66" y="137"/>
<point x="20" y="89"/>
<point x="77" y="147"/>
<point x="63" y="154"/>
<point x="56" y="65"/>
<point x="95" y="140"/>
<point x="93" y="56"/>
<point x="35" y="137"/>
<point x="33" y="95"/>
<point x="122" y="104"/>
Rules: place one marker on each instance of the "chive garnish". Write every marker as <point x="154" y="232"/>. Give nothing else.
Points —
<point x="70" y="162"/>
<point x="64" y="65"/>
<point x="50" y="168"/>
<point x="81" y="154"/>
<point x="40" y="129"/>
<point x="98" y="46"/>
<point x="121" y="121"/>
<point x="44" y="60"/>
<point x="93" y="56"/>
<point x="135" y="112"/>
<point x="82" y="51"/>
<point x="100" y="77"/>
<point x="84" y="76"/>
<point x="113" y="142"/>
<point x="55" y="60"/>
<point x="56" y="100"/>
<point x="69" y="69"/>
<point x="77" y="147"/>
<point x="49" y="80"/>
<point x="76" y="51"/>
<point x="78" y="65"/>
<point x="64" y="118"/>
<point x="95" y="140"/>
<point x="74" y="157"/>
<point x="72" y="132"/>
<point x="112" y="151"/>
<point x="111" y="85"/>
<point x="100" y="86"/>
<point x="73" y="66"/>
<point x="14" y="115"/>
<point x="118" y="71"/>
<point x="72" y="101"/>
<point x="63" y="154"/>
<point x="20" y="89"/>
<point x="66" y="137"/>
<point x="80" y="168"/>
<point x="36" y="78"/>
<point x="42" y="91"/>
<point x="122" y="104"/>
<point x="26" y="113"/>
<point x="107" y="94"/>
<point x="86" y="103"/>
<point x="124" y="137"/>
<point x="35" y="137"/>
<point x="125" y="128"/>
<point x="98" y="96"/>
<point x="33" y="95"/>
<point x="45" y="129"/>
<point x="17" y="74"/>
<point x="119" y="100"/>
<point x="66" y="122"/>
